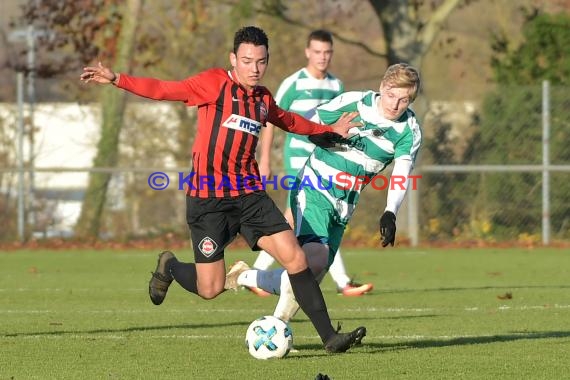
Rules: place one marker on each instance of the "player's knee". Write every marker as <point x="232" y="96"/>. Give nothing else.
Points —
<point x="297" y="262"/>
<point x="208" y="295"/>
<point x="210" y="292"/>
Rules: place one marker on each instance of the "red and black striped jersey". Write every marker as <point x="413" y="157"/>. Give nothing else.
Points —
<point x="230" y="119"/>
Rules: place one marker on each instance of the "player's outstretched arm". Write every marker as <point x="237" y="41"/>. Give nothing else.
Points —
<point x="99" y="74"/>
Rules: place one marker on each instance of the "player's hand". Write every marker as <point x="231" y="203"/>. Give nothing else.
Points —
<point x="100" y="74"/>
<point x="388" y="228"/>
<point x="345" y="123"/>
<point x="327" y="139"/>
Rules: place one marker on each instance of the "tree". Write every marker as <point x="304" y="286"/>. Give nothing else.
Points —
<point x="112" y="108"/>
<point x="543" y="55"/>
<point x="73" y="34"/>
<point x="79" y="31"/>
<point x="409" y="26"/>
<point x="408" y="36"/>
<point x="511" y="131"/>
<point x="84" y="32"/>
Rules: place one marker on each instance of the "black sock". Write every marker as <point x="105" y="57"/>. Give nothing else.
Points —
<point x="310" y="299"/>
<point x="184" y="274"/>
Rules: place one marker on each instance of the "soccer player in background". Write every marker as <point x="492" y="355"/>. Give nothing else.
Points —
<point x="390" y="133"/>
<point x="301" y="93"/>
<point x="225" y="196"/>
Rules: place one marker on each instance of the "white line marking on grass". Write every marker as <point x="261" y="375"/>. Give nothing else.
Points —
<point x="240" y="311"/>
<point x="133" y="311"/>
<point x="436" y="337"/>
<point x="121" y="337"/>
<point x="386" y="309"/>
<point x="538" y="307"/>
<point x="101" y="336"/>
<point x="466" y="308"/>
<point x="248" y="311"/>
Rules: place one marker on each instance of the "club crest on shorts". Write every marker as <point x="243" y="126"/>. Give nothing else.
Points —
<point x="207" y="246"/>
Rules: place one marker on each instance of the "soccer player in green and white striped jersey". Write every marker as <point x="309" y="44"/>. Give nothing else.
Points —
<point x="328" y="186"/>
<point x="301" y="93"/>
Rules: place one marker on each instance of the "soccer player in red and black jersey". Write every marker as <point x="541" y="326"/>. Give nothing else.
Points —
<point x="225" y="194"/>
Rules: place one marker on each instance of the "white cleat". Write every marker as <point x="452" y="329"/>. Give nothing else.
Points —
<point x="232" y="276"/>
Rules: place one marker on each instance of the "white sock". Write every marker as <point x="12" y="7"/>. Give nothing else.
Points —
<point x="338" y="271"/>
<point x="287" y="306"/>
<point x="268" y="280"/>
<point x="264" y="261"/>
<point x="248" y="278"/>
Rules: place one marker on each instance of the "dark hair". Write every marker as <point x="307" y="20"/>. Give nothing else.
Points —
<point x="320" y="35"/>
<point x="250" y="35"/>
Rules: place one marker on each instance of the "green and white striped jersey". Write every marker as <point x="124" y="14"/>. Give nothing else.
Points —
<point x="302" y="93"/>
<point x="340" y="174"/>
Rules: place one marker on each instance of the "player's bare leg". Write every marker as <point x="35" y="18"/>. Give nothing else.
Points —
<point x="211" y="278"/>
<point x="307" y="292"/>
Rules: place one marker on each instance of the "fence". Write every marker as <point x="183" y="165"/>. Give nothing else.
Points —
<point x="481" y="198"/>
<point x="485" y="205"/>
<point x="500" y="174"/>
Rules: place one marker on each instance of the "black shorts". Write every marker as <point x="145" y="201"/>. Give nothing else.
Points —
<point x="215" y="222"/>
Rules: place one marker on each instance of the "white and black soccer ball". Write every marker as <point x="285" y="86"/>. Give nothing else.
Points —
<point x="269" y="337"/>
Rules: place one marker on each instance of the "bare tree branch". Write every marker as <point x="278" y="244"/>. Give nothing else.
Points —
<point x="433" y="26"/>
<point x="277" y="11"/>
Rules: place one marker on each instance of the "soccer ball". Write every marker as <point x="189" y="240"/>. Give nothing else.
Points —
<point x="268" y="337"/>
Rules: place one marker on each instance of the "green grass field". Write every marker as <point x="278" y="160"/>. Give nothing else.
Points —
<point x="434" y="314"/>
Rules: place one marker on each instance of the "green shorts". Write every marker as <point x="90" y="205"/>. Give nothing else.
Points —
<point x="316" y="220"/>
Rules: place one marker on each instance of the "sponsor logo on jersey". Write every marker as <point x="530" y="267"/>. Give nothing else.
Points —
<point x="262" y="110"/>
<point x="243" y="124"/>
<point x="207" y="246"/>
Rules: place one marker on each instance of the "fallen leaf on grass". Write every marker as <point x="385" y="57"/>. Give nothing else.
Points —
<point x="506" y="296"/>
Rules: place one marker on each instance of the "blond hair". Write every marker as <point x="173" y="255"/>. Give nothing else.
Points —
<point x="402" y="75"/>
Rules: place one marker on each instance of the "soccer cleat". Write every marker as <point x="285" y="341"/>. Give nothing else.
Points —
<point x="232" y="276"/>
<point x="341" y="342"/>
<point x="161" y="278"/>
<point x="354" y="289"/>
<point x="258" y="291"/>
